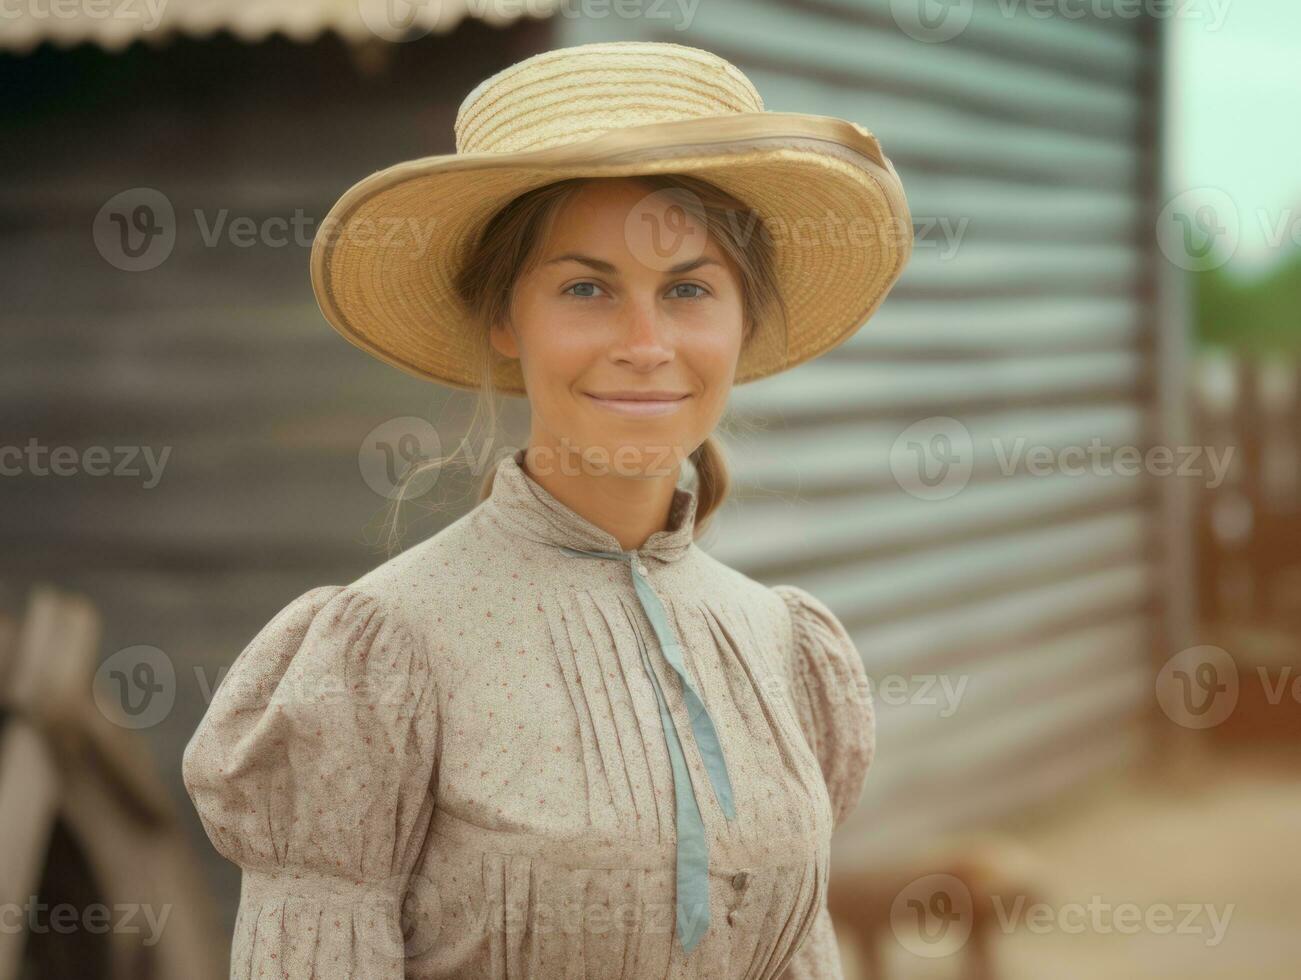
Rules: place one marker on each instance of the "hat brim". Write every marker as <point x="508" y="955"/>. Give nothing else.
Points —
<point x="383" y="261"/>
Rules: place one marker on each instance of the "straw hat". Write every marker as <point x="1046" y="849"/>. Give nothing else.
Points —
<point x="384" y="260"/>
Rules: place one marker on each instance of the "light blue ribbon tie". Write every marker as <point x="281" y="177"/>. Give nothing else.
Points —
<point x="692" y="847"/>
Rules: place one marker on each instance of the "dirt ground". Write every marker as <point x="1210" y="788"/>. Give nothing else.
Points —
<point x="1194" y="875"/>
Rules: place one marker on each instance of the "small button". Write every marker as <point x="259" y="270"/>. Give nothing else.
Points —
<point x="740" y="879"/>
<point x="731" y="917"/>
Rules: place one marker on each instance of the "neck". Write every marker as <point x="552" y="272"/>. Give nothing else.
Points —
<point x="629" y="505"/>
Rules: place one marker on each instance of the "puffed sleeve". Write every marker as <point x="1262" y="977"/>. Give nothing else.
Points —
<point x="313" y="769"/>
<point x="833" y="702"/>
<point x="832" y="696"/>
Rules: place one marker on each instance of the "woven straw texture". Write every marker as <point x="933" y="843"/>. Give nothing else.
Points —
<point x="384" y="264"/>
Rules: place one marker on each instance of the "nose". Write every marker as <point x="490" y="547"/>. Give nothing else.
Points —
<point x="642" y="338"/>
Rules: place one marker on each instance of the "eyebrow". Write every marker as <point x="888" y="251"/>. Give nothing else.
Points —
<point x="602" y="266"/>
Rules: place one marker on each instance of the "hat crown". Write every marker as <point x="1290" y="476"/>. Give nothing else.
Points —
<point x="579" y="93"/>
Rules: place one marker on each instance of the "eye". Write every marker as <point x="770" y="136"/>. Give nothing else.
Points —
<point x="692" y="285"/>
<point x="576" y="285"/>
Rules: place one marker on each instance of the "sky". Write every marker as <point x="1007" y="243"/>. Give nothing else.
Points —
<point x="1235" y="118"/>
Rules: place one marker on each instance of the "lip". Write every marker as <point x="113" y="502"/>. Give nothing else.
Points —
<point x="638" y="404"/>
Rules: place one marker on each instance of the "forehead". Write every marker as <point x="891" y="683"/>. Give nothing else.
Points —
<point x="614" y="215"/>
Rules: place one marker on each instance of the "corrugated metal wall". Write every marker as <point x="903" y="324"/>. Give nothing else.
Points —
<point x="1025" y="147"/>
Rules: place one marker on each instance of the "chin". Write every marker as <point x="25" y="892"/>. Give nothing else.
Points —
<point x="636" y="455"/>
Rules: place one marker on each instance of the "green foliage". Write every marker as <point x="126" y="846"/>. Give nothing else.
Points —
<point x="1258" y="316"/>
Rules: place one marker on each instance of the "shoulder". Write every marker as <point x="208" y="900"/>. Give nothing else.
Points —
<point x="353" y="612"/>
<point x="808" y="617"/>
<point x="318" y="641"/>
<point x="438" y="563"/>
<point x="331" y="649"/>
<point x="735" y="588"/>
<point x="795" y="610"/>
<point x="433" y="574"/>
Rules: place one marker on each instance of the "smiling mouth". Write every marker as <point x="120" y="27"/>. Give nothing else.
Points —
<point x="638" y="405"/>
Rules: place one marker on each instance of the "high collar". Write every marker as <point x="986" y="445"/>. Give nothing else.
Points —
<point x="526" y="507"/>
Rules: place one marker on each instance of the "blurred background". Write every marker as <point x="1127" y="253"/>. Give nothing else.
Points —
<point x="1053" y="490"/>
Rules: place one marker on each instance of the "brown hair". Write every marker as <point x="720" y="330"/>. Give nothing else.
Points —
<point x="509" y="245"/>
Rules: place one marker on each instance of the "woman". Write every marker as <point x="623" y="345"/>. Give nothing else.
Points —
<point x="557" y="739"/>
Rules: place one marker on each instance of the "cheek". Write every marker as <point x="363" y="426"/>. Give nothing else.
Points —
<point x="716" y="351"/>
<point x="718" y="363"/>
<point x="713" y="364"/>
<point x="553" y="353"/>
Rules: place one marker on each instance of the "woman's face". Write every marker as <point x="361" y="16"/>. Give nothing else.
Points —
<point x="628" y="330"/>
